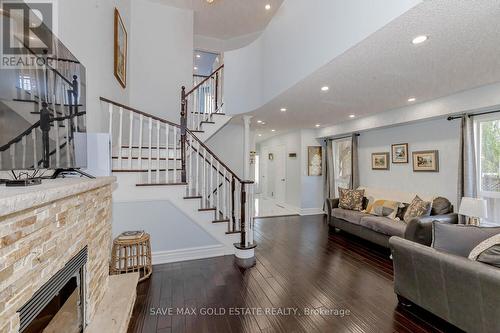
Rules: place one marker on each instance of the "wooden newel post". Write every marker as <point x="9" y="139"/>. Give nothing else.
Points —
<point x="183" y="134"/>
<point x="243" y="215"/>
<point x="233" y="198"/>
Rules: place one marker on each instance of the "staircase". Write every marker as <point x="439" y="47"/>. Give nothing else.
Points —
<point x="154" y="158"/>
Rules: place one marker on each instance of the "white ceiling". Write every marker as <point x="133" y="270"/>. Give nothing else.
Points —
<point x="386" y="69"/>
<point x="225" y="19"/>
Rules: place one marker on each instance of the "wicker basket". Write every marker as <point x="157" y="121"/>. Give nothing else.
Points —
<point x="132" y="253"/>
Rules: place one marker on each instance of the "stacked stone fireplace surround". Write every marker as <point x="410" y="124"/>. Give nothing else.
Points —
<point x="41" y="229"/>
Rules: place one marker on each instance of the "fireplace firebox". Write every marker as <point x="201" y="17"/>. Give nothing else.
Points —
<point x="59" y="305"/>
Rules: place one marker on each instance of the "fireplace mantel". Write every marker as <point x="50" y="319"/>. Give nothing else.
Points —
<point x="41" y="229"/>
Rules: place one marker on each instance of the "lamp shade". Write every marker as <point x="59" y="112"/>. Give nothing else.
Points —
<point x="473" y="207"/>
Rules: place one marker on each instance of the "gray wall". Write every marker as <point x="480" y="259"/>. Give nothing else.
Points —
<point x="439" y="135"/>
<point x="169" y="228"/>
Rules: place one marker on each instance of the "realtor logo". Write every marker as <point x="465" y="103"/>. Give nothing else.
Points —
<point x="27" y="27"/>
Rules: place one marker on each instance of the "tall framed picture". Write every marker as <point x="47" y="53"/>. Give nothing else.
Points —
<point x="380" y="161"/>
<point x="399" y="153"/>
<point x="426" y="161"/>
<point x="121" y="46"/>
<point x="314" y="161"/>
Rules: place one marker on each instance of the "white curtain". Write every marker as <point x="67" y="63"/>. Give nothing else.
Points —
<point x="467" y="173"/>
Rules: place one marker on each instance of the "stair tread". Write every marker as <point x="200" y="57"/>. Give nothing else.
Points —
<point x="147" y="158"/>
<point x="232" y="232"/>
<point x="219" y="114"/>
<point x="153" y="148"/>
<point x="208" y="122"/>
<point x="207" y="209"/>
<point x="160" y="184"/>
<point x="197" y="131"/>
<point x="221" y="221"/>
<point x="193" y="197"/>
<point x="142" y="170"/>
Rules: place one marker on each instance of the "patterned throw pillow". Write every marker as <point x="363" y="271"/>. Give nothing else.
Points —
<point x="351" y="199"/>
<point x="488" y="251"/>
<point x="385" y="208"/>
<point x="417" y="208"/>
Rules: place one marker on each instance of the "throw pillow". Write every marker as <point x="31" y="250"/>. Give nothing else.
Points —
<point x="441" y="206"/>
<point x="459" y="239"/>
<point x="488" y="251"/>
<point x="417" y="208"/>
<point x="402" y="211"/>
<point x="351" y="199"/>
<point x="384" y="208"/>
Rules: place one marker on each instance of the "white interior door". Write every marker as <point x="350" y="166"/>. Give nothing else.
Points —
<point x="279" y="164"/>
<point x="264" y="171"/>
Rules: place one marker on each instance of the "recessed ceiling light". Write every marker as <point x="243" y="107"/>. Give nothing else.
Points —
<point x="318" y="125"/>
<point x="419" y="39"/>
<point x="195" y="68"/>
<point x="260" y="134"/>
<point x="210" y="1"/>
<point x="325" y="88"/>
<point x="259" y="121"/>
<point x="283" y="109"/>
<point x="273" y="130"/>
<point x="263" y="123"/>
<point x="198" y="56"/>
<point x="268" y="6"/>
<point x="412" y="99"/>
<point x="352" y="116"/>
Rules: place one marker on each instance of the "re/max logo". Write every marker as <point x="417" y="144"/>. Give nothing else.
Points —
<point x="26" y="27"/>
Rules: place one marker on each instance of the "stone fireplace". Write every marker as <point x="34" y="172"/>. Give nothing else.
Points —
<point x="55" y="242"/>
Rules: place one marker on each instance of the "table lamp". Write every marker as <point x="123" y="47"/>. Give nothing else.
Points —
<point x="475" y="209"/>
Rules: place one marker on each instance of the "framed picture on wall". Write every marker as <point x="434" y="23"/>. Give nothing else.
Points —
<point x="399" y="153"/>
<point x="121" y="46"/>
<point x="314" y="161"/>
<point x="426" y="161"/>
<point x="380" y="161"/>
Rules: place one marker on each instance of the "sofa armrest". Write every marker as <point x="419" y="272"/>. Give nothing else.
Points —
<point x="331" y="204"/>
<point x="461" y="291"/>
<point x="419" y="229"/>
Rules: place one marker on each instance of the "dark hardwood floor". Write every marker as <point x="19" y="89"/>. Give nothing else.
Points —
<point x="301" y="264"/>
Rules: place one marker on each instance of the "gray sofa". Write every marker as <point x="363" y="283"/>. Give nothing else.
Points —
<point x="379" y="229"/>
<point x="464" y="292"/>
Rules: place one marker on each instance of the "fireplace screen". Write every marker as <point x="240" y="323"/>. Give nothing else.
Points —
<point x="59" y="305"/>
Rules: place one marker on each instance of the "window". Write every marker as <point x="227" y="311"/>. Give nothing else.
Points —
<point x="488" y="164"/>
<point x="342" y="161"/>
<point x="25" y="83"/>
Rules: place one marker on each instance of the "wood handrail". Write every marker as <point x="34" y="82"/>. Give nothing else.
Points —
<point x="205" y="80"/>
<point x="103" y="99"/>
<point x="20" y="136"/>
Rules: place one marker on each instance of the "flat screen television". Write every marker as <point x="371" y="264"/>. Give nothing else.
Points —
<point x="42" y="105"/>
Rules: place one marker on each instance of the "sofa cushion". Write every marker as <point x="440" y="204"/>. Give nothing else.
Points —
<point x="352" y="216"/>
<point x="417" y="208"/>
<point x="351" y="199"/>
<point x="441" y="206"/>
<point x="384" y="225"/>
<point x="488" y="251"/>
<point x="459" y="239"/>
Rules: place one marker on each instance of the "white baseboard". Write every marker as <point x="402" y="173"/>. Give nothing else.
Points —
<point x="311" y="211"/>
<point x="165" y="257"/>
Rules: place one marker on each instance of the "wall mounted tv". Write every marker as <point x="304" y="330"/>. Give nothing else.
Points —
<point x="42" y="107"/>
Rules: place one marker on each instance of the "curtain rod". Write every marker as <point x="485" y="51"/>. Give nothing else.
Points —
<point x="472" y="115"/>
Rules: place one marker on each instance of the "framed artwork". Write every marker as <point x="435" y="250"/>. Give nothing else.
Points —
<point x="314" y="161"/>
<point x="121" y="46"/>
<point x="399" y="153"/>
<point x="426" y="161"/>
<point x="380" y="161"/>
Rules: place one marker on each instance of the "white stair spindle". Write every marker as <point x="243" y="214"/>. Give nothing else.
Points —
<point x="198" y="168"/>
<point x="130" y="139"/>
<point x="224" y="194"/>
<point x="204" y="177"/>
<point x="211" y="173"/>
<point x="139" y="159"/>
<point x="219" y="190"/>
<point x="167" y="134"/>
<point x="56" y="125"/>
<point x="110" y="110"/>
<point x="158" y="152"/>
<point x="68" y="150"/>
<point x="150" y="127"/>
<point x="175" y="154"/>
<point x="191" y="161"/>
<point x="33" y="137"/>
<point x="23" y="142"/>
<point x="120" y="139"/>
<point x="13" y="155"/>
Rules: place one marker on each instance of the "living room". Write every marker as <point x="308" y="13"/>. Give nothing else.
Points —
<point x="214" y="166"/>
